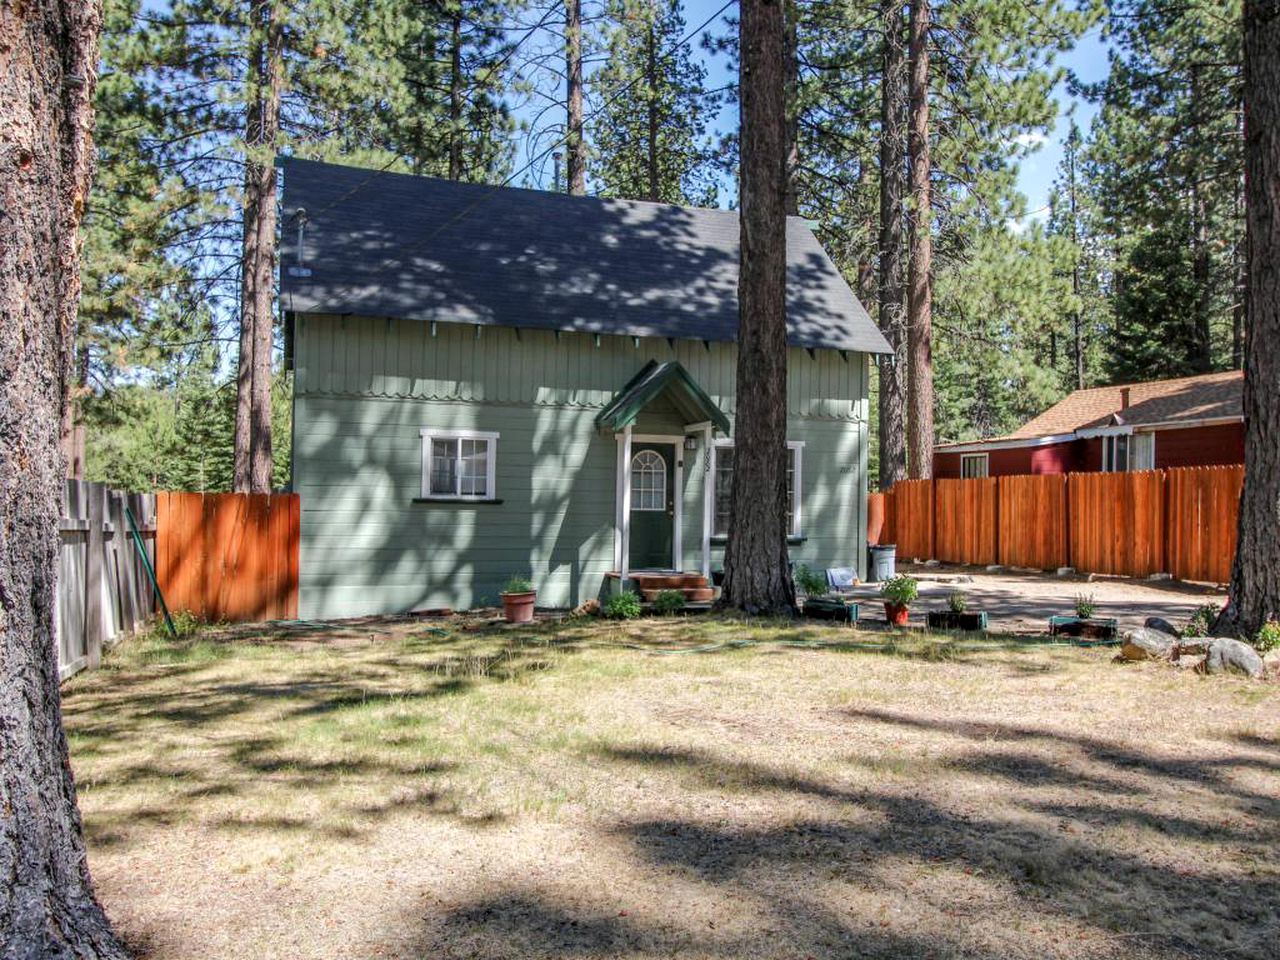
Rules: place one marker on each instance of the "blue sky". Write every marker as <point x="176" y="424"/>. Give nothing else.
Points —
<point x="1036" y="172"/>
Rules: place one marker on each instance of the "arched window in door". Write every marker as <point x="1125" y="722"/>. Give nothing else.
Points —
<point x="648" y="481"/>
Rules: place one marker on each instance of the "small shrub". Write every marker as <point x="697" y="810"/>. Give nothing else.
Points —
<point x="1201" y="621"/>
<point x="1086" y="606"/>
<point x="901" y="590"/>
<point x="812" y="582"/>
<point x="668" y="602"/>
<point x="518" y="584"/>
<point x="957" y="602"/>
<point x="622" y="606"/>
<point x="1268" y="637"/>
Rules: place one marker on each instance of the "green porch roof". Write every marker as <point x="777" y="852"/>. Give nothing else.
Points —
<point x="653" y="380"/>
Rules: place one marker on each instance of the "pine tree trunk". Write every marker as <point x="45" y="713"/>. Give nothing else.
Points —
<point x="651" y="99"/>
<point x="757" y="577"/>
<point x="455" y="97"/>
<point x="1255" y="576"/>
<point x="47" y="906"/>
<point x="792" y="13"/>
<point x="577" y="160"/>
<point x="920" y="264"/>
<point x="893" y="152"/>
<point x="253" y="467"/>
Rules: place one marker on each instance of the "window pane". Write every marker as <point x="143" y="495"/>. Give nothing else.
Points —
<point x="1122" y="454"/>
<point x="475" y="468"/>
<point x="648" y="481"/>
<point x="723" y="490"/>
<point x="444" y="467"/>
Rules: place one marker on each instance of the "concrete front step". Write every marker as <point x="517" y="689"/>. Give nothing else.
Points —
<point x="691" y="594"/>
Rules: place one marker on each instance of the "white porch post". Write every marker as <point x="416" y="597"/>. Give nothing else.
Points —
<point x="707" y="506"/>
<point x="624" y="520"/>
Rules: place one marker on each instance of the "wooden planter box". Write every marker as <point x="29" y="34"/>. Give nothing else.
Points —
<point x="1091" y="628"/>
<point x="949" y="620"/>
<point x="830" y="608"/>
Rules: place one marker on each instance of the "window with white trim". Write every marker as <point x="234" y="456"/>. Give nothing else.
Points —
<point x="458" y="465"/>
<point x="722" y="487"/>
<point x="1115" y="453"/>
<point x="648" y="481"/>
<point x="974" y="465"/>
<point x="1142" y="451"/>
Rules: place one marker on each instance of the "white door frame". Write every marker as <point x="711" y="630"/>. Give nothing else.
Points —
<point x="622" y="520"/>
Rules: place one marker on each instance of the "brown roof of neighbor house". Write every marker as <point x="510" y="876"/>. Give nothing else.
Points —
<point x="1210" y="396"/>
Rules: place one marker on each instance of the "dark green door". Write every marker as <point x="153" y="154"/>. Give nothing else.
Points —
<point x="652" y="505"/>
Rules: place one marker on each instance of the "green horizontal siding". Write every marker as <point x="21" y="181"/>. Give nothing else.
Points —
<point x="368" y="548"/>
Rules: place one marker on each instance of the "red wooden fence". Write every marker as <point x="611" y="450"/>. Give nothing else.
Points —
<point x="1180" y="521"/>
<point x="229" y="556"/>
<point x="1202" y="522"/>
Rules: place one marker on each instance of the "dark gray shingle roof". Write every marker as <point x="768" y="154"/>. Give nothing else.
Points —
<point x="394" y="245"/>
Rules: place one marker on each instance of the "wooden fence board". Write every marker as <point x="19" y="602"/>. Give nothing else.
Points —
<point x="1033" y="521"/>
<point x="229" y="556"/>
<point x="966" y="521"/>
<point x="1202" y="512"/>
<point x="913" y="513"/>
<point x="1116" y="522"/>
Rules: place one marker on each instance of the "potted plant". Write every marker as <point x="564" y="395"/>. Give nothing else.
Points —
<point x="517" y="600"/>
<point x="1084" y="624"/>
<point x="957" y="616"/>
<point x="817" y="600"/>
<point x="898" y="594"/>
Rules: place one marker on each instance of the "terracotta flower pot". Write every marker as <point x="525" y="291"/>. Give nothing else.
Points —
<point x="896" y="613"/>
<point x="518" y="607"/>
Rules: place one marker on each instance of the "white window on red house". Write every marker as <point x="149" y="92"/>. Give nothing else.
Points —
<point x="974" y="465"/>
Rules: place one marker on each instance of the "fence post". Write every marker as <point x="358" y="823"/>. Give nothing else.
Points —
<point x="94" y="551"/>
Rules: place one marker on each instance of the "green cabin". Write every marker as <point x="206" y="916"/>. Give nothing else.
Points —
<point x="492" y="381"/>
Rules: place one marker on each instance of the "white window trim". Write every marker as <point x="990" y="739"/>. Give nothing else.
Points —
<point x="491" y="463"/>
<point x="1108" y="452"/>
<point x="986" y="464"/>
<point x="796" y="448"/>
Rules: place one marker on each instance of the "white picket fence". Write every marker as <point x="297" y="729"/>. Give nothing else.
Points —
<point x="103" y="588"/>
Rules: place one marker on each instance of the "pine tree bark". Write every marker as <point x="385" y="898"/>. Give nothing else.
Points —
<point x="577" y="159"/>
<point x="651" y="101"/>
<point x="757" y="577"/>
<point x="455" y="96"/>
<point x="920" y="263"/>
<point x="253" y="454"/>
<point x="892" y="315"/>
<point x="792" y="14"/>
<point x="1255" y="576"/>
<point x="49" y="51"/>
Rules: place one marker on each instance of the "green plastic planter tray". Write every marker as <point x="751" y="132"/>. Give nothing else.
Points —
<point x="948" y="620"/>
<point x="1086" y="628"/>
<point x="831" y="608"/>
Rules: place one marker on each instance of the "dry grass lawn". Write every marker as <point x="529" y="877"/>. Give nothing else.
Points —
<point x="586" y="791"/>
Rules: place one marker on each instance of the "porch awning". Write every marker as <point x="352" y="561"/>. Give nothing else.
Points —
<point x="653" y="380"/>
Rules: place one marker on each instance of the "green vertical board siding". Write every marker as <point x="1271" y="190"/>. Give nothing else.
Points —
<point x="365" y="388"/>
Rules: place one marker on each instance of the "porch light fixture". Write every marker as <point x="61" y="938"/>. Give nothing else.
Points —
<point x="690" y="442"/>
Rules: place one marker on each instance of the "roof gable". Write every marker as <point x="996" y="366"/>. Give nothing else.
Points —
<point x="654" y="380"/>
<point x="395" y="245"/>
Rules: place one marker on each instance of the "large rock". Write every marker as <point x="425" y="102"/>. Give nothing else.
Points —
<point x="1194" y="646"/>
<point x="1163" y="625"/>
<point x="1227" y="655"/>
<point x="1147" y="644"/>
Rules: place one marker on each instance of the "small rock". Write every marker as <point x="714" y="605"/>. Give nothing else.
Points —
<point x="1163" y="625"/>
<point x="1090" y="578"/>
<point x="1190" y="663"/>
<point x="1147" y="644"/>
<point x="1229" y="655"/>
<point x="1194" y="646"/>
<point x="1066" y="571"/>
<point x="994" y="568"/>
<point x="965" y="579"/>
<point x="1160" y="576"/>
<point x="933" y="563"/>
<point x="1271" y="664"/>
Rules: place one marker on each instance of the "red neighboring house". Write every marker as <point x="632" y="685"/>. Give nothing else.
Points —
<point x="1187" y="422"/>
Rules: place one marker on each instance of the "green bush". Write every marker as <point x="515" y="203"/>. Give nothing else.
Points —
<point x="1201" y="622"/>
<point x="668" y="602"/>
<point x="622" y="606"/>
<point x="957" y="601"/>
<point x="901" y="590"/>
<point x="1268" y="637"/>
<point x="812" y="582"/>
<point x="518" y="584"/>
<point x="1085" y="605"/>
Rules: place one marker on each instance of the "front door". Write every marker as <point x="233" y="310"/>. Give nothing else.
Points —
<point x="653" y="505"/>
